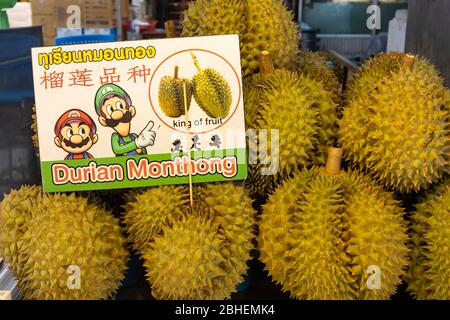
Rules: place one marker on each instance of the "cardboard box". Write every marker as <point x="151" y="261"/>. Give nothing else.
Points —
<point x="49" y="41"/>
<point x="48" y="24"/>
<point x="98" y="13"/>
<point x="42" y="7"/>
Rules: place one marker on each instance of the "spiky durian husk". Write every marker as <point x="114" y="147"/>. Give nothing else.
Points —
<point x="304" y="115"/>
<point x="35" y="138"/>
<point x="396" y="126"/>
<point x="15" y="212"/>
<point x="261" y="25"/>
<point x="319" y="234"/>
<point x="171" y="96"/>
<point x="147" y="212"/>
<point x="212" y="93"/>
<point x="63" y="231"/>
<point x="429" y="274"/>
<point x="229" y="205"/>
<point x="205" y="255"/>
<point x="314" y="65"/>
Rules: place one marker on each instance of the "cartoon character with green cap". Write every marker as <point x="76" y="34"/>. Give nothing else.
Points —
<point x="115" y="110"/>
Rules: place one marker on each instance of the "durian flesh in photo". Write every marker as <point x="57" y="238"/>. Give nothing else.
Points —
<point x="62" y="236"/>
<point x="260" y="24"/>
<point x="171" y="95"/>
<point x="396" y="122"/>
<point x="322" y="235"/>
<point x="429" y="273"/>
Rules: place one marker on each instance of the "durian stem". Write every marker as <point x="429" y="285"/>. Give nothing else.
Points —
<point x="333" y="165"/>
<point x="408" y="61"/>
<point x="170" y="29"/>
<point x="175" y="72"/>
<point x="196" y="63"/>
<point x="266" y="64"/>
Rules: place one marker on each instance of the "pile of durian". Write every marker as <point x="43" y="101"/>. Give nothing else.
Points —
<point x="331" y="224"/>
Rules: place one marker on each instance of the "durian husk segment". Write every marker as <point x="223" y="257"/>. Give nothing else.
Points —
<point x="171" y="94"/>
<point x="319" y="233"/>
<point x="212" y="92"/>
<point x="15" y="212"/>
<point x="204" y="256"/>
<point x="429" y="273"/>
<point x="147" y="212"/>
<point x="314" y="65"/>
<point x="300" y="118"/>
<point x="63" y="231"/>
<point x="35" y="137"/>
<point x="397" y="126"/>
<point x="260" y="24"/>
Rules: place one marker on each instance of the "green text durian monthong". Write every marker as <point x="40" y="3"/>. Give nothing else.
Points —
<point x="396" y="122"/>
<point x="329" y="236"/>
<point x="429" y="275"/>
<point x="47" y="238"/>
<point x="261" y="25"/>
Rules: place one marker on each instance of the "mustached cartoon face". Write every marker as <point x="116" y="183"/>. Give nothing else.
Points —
<point x="116" y="111"/>
<point x="76" y="138"/>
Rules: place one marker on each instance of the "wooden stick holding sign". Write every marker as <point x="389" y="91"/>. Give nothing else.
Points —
<point x="188" y="133"/>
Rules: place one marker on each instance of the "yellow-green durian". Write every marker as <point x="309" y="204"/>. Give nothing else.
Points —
<point x="147" y="212"/>
<point x="15" y="212"/>
<point x="429" y="274"/>
<point x="171" y="95"/>
<point x="314" y="65"/>
<point x="261" y="25"/>
<point x="212" y="92"/>
<point x="300" y="118"/>
<point x="34" y="137"/>
<point x="324" y="231"/>
<point x="64" y="235"/>
<point x="204" y="256"/>
<point x="396" y="123"/>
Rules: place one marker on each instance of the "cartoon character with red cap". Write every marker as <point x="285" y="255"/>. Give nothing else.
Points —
<point x="75" y="133"/>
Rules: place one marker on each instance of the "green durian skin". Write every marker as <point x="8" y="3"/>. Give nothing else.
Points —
<point x="305" y="116"/>
<point x="204" y="255"/>
<point x="148" y="211"/>
<point x="63" y="231"/>
<point x="260" y="24"/>
<point x="395" y="125"/>
<point x="171" y="96"/>
<point x="314" y="65"/>
<point x="320" y="233"/>
<point x="212" y="93"/>
<point x="429" y="273"/>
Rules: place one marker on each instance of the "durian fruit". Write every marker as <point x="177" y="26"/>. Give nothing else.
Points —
<point x="396" y="123"/>
<point x="314" y="65"/>
<point x="300" y="118"/>
<point x="261" y="25"/>
<point x="34" y="137"/>
<point x="171" y="95"/>
<point x="212" y="92"/>
<point x="204" y="256"/>
<point x="186" y="262"/>
<point x="325" y="231"/>
<point x="15" y="212"/>
<point x="64" y="234"/>
<point x="429" y="274"/>
<point x="147" y="212"/>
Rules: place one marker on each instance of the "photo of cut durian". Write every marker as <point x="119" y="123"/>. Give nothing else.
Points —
<point x="171" y="94"/>
<point x="212" y="92"/>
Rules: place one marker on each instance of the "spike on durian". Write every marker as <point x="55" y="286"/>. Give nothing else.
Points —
<point x="212" y="92"/>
